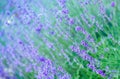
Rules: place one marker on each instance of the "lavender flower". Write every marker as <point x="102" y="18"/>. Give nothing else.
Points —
<point x="1" y="70"/>
<point x="38" y="29"/>
<point x="62" y="1"/>
<point x="78" y="28"/>
<point x="91" y="66"/>
<point x="84" y="43"/>
<point x="101" y="72"/>
<point x="65" y="11"/>
<point x="113" y="4"/>
<point x="71" y="21"/>
<point x="44" y="50"/>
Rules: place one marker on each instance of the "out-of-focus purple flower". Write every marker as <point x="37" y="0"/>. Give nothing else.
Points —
<point x="1" y="70"/>
<point x="113" y="4"/>
<point x="20" y="42"/>
<point x="50" y="45"/>
<point x="84" y="43"/>
<point x="1" y="33"/>
<point x="89" y="37"/>
<point x="61" y="74"/>
<point x="5" y="75"/>
<point x="42" y="59"/>
<point x="62" y="1"/>
<point x="78" y="28"/>
<point x="71" y="21"/>
<point x="91" y="66"/>
<point x="89" y="58"/>
<point x="52" y="33"/>
<point x="66" y="76"/>
<point x="101" y="72"/>
<point x="38" y="29"/>
<point x="82" y="51"/>
<point x="75" y="49"/>
<point x="65" y="11"/>
<point x="102" y="10"/>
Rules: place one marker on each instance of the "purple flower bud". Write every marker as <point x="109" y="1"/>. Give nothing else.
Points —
<point x="38" y="29"/>
<point x="71" y="21"/>
<point x="83" y="51"/>
<point x="92" y="67"/>
<point x="101" y="72"/>
<point x="84" y="43"/>
<point x="20" y="42"/>
<point x="41" y="59"/>
<point x="50" y="45"/>
<point x="75" y="48"/>
<point x="1" y="33"/>
<point x="78" y="28"/>
<point x="65" y="11"/>
<point x="52" y="33"/>
<point x="62" y="1"/>
<point x="1" y="70"/>
<point x="113" y="4"/>
<point x="89" y="37"/>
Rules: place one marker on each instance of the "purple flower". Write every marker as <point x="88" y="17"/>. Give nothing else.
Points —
<point x="62" y="1"/>
<point x="71" y="21"/>
<point x="113" y="4"/>
<point x="78" y="28"/>
<point x="65" y="11"/>
<point x="38" y="29"/>
<point x="1" y="33"/>
<point x="92" y="67"/>
<point x="101" y="72"/>
<point x="89" y="37"/>
<point x="20" y="42"/>
<point x="50" y="45"/>
<point x="41" y="59"/>
<point x="84" y="43"/>
<point x="52" y="33"/>
<point x="75" y="48"/>
<point x="1" y="70"/>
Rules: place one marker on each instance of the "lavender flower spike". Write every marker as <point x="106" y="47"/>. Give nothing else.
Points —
<point x="113" y="4"/>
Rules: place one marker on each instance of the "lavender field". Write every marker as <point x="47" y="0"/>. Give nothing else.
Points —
<point x="59" y="39"/>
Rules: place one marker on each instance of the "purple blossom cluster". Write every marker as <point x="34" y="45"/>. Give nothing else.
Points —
<point x="29" y="33"/>
<point x="84" y="55"/>
<point x="28" y="61"/>
<point x="20" y="54"/>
